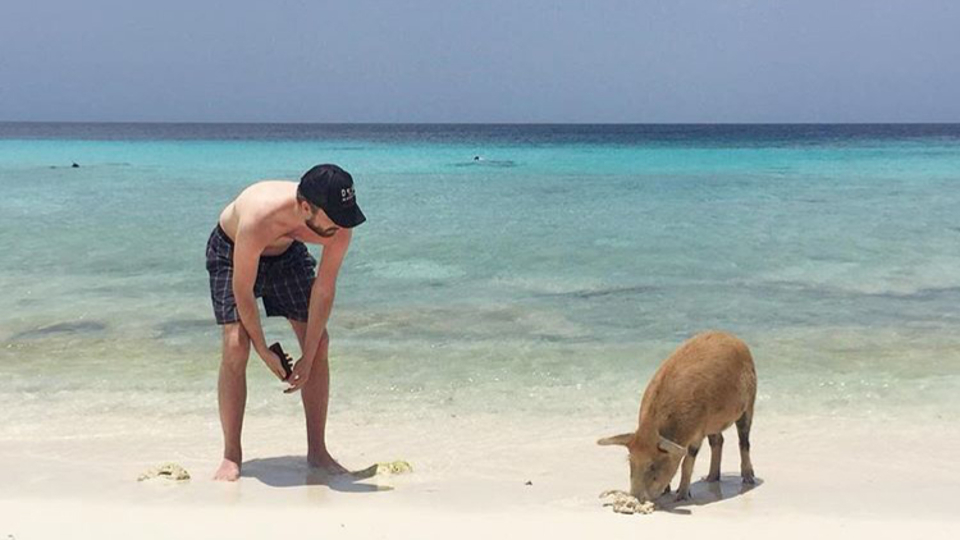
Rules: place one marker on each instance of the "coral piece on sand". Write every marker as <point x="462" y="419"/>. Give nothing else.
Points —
<point x="167" y="471"/>
<point x="393" y="467"/>
<point x="624" y="503"/>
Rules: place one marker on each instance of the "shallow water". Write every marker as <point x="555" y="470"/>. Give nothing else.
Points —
<point x="548" y="278"/>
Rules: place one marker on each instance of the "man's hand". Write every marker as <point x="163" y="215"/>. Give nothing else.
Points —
<point x="300" y="375"/>
<point x="273" y="363"/>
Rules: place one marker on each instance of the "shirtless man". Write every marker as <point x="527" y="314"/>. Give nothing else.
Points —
<point x="257" y="250"/>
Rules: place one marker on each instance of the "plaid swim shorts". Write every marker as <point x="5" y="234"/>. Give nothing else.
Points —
<point x="283" y="281"/>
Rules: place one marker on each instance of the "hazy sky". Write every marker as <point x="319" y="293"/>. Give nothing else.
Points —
<point x="481" y="61"/>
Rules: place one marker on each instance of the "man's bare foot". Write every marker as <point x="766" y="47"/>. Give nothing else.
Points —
<point x="229" y="471"/>
<point x="324" y="461"/>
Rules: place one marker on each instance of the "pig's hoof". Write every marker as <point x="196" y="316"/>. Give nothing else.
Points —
<point x="749" y="479"/>
<point x="713" y="477"/>
<point x="683" y="495"/>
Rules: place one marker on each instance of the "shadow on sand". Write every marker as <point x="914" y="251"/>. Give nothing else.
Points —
<point x="703" y="493"/>
<point x="293" y="471"/>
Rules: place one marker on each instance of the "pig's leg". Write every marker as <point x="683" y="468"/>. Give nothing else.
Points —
<point x="686" y="471"/>
<point x="716" y="449"/>
<point x="743" y="430"/>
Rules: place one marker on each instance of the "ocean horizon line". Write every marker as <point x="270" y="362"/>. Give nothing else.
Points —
<point x="364" y="123"/>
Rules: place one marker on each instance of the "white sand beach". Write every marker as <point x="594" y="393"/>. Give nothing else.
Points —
<point x="476" y="477"/>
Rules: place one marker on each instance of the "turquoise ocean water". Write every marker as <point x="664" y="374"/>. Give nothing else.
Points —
<point x="548" y="278"/>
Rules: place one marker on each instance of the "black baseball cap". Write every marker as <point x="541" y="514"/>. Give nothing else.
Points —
<point x="331" y="189"/>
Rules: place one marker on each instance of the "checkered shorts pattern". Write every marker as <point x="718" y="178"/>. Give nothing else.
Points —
<point x="283" y="281"/>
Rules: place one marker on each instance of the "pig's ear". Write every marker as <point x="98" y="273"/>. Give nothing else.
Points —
<point x="622" y="439"/>
<point x="671" y="447"/>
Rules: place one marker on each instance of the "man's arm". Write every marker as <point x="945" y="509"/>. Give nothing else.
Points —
<point x="323" y="292"/>
<point x="246" y="258"/>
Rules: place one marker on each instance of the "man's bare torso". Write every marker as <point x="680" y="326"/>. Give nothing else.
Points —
<point x="270" y="208"/>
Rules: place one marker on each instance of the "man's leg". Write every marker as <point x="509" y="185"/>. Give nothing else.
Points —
<point x="316" y="395"/>
<point x="232" y="396"/>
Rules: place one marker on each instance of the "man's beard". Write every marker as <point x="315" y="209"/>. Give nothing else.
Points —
<point x="324" y="233"/>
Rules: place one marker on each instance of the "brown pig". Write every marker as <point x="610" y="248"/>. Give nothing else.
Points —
<point x="700" y="390"/>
